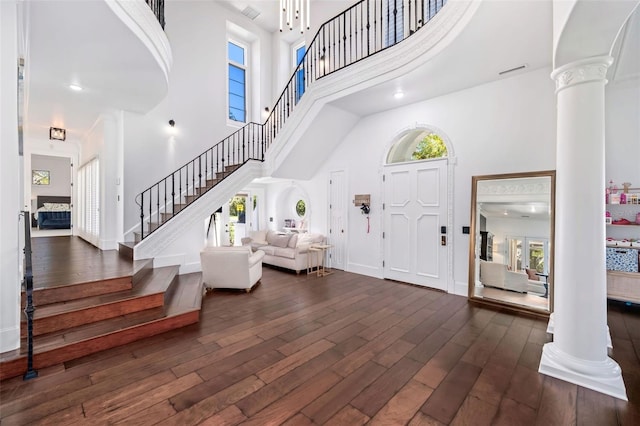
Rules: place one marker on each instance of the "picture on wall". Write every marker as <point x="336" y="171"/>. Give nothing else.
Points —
<point x="40" y="177"/>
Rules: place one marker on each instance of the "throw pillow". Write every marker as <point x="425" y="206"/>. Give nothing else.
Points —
<point x="280" y="241"/>
<point x="532" y="275"/>
<point x="293" y="241"/>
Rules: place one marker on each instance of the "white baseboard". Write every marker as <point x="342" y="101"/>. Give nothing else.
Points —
<point x="189" y="268"/>
<point x="370" y="271"/>
<point x="171" y="260"/>
<point x="460" y="288"/>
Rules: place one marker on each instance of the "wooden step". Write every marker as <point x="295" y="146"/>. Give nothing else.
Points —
<point x="188" y="199"/>
<point x="148" y="294"/>
<point x="125" y="249"/>
<point x="182" y="308"/>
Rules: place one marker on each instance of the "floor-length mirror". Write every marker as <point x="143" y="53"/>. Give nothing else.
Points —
<point x="511" y="244"/>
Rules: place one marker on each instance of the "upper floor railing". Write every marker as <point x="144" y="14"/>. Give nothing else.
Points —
<point x="364" y="29"/>
<point x="157" y="7"/>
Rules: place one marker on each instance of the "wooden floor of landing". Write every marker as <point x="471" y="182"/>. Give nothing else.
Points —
<point x="343" y="349"/>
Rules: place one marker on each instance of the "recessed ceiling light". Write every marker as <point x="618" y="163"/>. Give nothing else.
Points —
<point x="399" y="94"/>
<point x="75" y="87"/>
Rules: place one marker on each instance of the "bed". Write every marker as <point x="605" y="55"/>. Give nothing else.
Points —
<point x="53" y="212"/>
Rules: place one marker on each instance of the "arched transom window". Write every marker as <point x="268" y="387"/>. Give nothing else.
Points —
<point x="417" y="145"/>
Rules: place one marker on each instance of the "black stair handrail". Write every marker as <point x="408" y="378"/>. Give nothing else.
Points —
<point x="27" y="285"/>
<point x="161" y="201"/>
<point x="362" y="30"/>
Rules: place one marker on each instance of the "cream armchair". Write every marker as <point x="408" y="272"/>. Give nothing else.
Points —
<point x="231" y="267"/>
<point x="497" y="275"/>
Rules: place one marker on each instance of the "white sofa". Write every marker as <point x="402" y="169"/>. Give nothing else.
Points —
<point x="284" y="250"/>
<point x="497" y="275"/>
<point x="231" y="267"/>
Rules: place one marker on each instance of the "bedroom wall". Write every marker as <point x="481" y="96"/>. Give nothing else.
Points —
<point x="59" y="172"/>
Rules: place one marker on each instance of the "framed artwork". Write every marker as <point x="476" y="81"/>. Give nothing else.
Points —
<point x="40" y="177"/>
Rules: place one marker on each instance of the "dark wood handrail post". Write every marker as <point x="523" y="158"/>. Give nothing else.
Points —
<point x="28" y="288"/>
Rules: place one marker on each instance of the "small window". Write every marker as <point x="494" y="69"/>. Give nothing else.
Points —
<point x="300" y="51"/>
<point x="417" y="145"/>
<point x="431" y="146"/>
<point x="301" y="209"/>
<point x="237" y="82"/>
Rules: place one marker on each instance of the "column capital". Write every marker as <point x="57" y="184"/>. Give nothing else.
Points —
<point x="582" y="71"/>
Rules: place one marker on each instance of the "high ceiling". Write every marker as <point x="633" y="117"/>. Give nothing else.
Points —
<point x="502" y="35"/>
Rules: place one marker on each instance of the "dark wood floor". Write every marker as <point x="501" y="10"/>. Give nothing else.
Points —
<point x="340" y="350"/>
<point x="71" y="260"/>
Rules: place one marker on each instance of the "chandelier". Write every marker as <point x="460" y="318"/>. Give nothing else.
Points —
<point x="292" y="10"/>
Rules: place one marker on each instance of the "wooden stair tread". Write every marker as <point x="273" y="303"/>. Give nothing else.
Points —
<point x="187" y="294"/>
<point x="149" y="293"/>
<point x="182" y="308"/>
<point x="157" y="281"/>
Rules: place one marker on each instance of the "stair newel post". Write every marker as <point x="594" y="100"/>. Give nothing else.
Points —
<point x="28" y="288"/>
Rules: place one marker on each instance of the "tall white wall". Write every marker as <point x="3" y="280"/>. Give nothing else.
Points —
<point x="622" y="132"/>
<point x="500" y="127"/>
<point x="10" y="181"/>
<point x="103" y="141"/>
<point x="196" y="99"/>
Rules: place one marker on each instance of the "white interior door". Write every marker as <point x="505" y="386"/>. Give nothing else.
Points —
<point x="415" y="210"/>
<point x="337" y="220"/>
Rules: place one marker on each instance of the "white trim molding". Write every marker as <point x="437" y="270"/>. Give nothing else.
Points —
<point x="139" y="17"/>
<point x="582" y="71"/>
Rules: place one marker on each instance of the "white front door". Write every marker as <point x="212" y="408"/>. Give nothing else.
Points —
<point x="337" y="219"/>
<point x="415" y="210"/>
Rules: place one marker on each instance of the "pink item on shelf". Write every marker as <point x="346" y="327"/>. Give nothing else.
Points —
<point x="623" y="198"/>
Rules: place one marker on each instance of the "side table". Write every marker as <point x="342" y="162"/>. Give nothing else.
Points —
<point x="320" y="250"/>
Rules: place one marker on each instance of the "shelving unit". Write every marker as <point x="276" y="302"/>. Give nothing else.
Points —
<point x="621" y="285"/>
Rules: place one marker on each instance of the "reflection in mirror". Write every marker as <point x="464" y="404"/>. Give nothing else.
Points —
<point x="511" y="251"/>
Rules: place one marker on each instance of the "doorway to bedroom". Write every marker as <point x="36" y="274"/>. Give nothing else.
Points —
<point x="51" y="191"/>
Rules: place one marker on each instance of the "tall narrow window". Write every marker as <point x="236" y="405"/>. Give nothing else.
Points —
<point x="89" y="201"/>
<point x="237" y="55"/>
<point x="300" y="51"/>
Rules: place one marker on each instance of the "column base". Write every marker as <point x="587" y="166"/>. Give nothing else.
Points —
<point x="550" y="329"/>
<point x="604" y="377"/>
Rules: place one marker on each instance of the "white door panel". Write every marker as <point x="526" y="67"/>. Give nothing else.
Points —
<point x="415" y="211"/>
<point x="337" y="220"/>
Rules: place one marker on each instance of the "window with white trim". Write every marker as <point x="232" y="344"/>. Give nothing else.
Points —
<point x="237" y="81"/>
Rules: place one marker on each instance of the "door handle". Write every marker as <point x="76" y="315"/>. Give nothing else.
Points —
<point x="443" y="240"/>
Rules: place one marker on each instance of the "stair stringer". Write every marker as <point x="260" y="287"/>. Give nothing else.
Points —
<point x="394" y="62"/>
<point x="180" y="240"/>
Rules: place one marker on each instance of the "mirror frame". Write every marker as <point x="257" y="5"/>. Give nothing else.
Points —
<point x="472" y="242"/>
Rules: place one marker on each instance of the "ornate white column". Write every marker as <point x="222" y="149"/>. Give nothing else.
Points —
<point x="578" y="353"/>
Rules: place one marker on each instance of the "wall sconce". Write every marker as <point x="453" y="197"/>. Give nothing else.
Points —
<point x="57" y="134"/>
